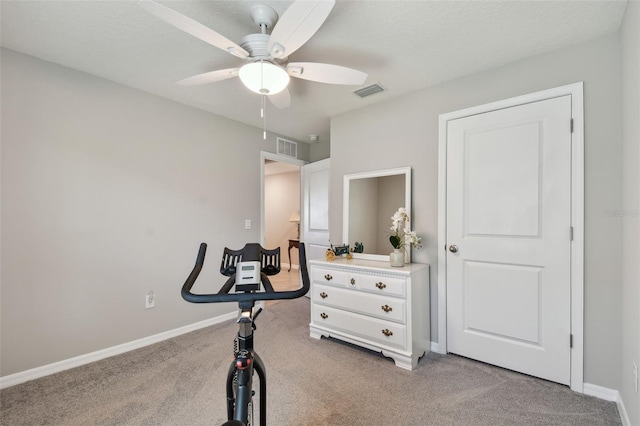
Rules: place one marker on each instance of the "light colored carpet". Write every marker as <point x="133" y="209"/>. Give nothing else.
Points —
<point x="181" y="382"/>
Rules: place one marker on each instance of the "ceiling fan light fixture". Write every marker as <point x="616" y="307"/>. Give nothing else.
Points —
<point x="264" y="78"/>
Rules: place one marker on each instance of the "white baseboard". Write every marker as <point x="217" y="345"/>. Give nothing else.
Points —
<point x="435" y="347"/>
<point x="56" y="367"/>
<point x="601" y="392"/>
<point x="608" y="395"/>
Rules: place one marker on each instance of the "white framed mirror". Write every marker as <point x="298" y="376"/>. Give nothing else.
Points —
<point x="369" y="201"/>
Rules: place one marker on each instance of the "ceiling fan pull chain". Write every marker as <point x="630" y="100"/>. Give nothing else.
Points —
<point x="263" y="113"/>
<point x="261" y="75"/>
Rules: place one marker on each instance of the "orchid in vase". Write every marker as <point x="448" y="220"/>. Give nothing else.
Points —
<point x="402" y="235"/>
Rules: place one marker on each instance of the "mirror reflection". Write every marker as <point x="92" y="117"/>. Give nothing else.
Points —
<point x="370" y="199"/>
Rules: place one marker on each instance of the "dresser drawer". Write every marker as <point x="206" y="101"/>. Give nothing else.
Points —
<point x="380" y="306"/>
<point x="378" y="284"/>
<point x="329" y="276"/>
<point x="368" y="328"/>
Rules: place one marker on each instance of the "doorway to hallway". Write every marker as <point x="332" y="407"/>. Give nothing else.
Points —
<point x="280" y="216"/>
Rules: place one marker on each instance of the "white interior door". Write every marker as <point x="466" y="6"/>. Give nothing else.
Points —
<point x="508" y="238"/>
<point x="315" y="208"/>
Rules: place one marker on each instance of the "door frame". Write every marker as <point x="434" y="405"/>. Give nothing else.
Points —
<point x="577" y="216"/>
<point x="264" y="155"/>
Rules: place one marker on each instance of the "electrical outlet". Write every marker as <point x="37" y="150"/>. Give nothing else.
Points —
<point x="150" y="300"/>
<point x="635" y="375"/>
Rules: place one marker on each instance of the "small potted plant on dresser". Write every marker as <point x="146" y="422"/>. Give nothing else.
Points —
<point x="401" y="237"/>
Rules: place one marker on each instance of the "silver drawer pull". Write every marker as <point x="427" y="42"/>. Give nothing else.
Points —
<point x="353" y="281"/>
<point x="328" y="277"/>
<point x="387" y="332"/>
<point x="387" y="308"/>
<point x="381" y="285"/>
<point x="324" y="316"/>
<point x="324" y="295"/>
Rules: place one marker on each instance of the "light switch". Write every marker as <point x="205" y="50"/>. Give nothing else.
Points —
<point x="247" y="224"/>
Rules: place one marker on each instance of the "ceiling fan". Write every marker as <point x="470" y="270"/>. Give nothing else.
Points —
<point x="268" y="69"/>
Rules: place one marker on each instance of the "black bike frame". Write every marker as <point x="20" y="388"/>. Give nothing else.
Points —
<point x="240" y="376"/>
<point x="246" y="361"/>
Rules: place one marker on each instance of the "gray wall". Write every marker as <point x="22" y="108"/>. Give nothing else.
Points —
<point x="106" y="194"/>
<point x="630" y="208"/>
<point x="404" y="132"/>
<point x="319" y="151"/>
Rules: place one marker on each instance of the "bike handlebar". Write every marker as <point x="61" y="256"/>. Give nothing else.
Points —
<point x="225" y="296"/>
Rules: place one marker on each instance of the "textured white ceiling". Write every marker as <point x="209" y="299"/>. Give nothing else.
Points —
<point x="403" y="45"/>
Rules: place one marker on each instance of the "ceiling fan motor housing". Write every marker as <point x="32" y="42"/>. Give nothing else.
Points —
<point x="256" y="45"/>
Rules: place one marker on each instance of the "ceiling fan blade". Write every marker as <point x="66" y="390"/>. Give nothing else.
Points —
<point x="192" y="27"/>
<point x="297" y="25"/>
<point x="209" y="77"/>
<point x="326" y="73"/>
<point x="281" y="100"/>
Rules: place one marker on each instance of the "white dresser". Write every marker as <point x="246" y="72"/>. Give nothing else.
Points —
<point x="371" y="304"/>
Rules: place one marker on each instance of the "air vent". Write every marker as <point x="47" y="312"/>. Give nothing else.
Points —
<point x="287" y="147"/>
<point x="369" y="90"/>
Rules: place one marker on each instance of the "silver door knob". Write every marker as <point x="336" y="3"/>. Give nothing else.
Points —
<point x="453" y="248"/>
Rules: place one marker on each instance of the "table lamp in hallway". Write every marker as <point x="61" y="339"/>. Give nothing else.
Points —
<point x="295" y="217"/>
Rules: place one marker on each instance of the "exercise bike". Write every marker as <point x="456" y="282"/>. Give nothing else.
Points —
<point x="248" y="270"/>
